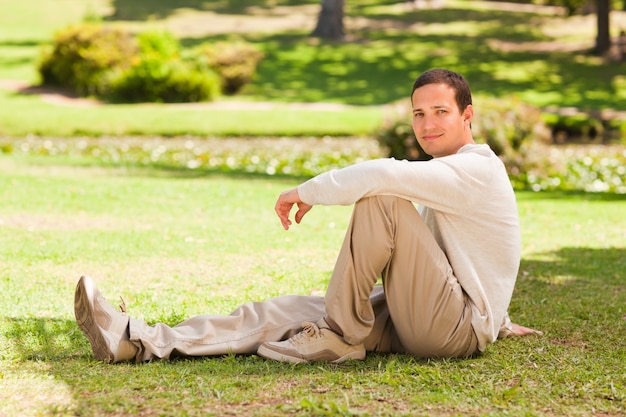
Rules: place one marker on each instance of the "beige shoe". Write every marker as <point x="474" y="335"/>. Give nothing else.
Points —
<point x="316" y="342"/>
<point x="105" y="327"/>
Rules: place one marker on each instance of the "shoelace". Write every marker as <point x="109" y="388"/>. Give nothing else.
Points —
<point x="123" y="305"/>
<point x="309" y="330"/>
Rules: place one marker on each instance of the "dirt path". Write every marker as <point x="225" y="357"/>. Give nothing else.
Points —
<point x="63" y="98"/>
<point x="47" y="94"/>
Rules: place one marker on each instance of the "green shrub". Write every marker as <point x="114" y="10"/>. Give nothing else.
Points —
<point x="235" y="62"/>
<point x="167" y="81"/>
<point x="92" y="59"/>
<point x="509" y="126"/>
<point x="84" y="57"/>
<point x="159" y="74"/>
<point x="396" y="133"/>
<point x="159" y="44"/>
<point x="574" y="127"/>
<point x="506" y="125"/>
<point x="622" y="131"/>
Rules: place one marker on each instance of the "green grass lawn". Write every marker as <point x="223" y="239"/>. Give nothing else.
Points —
<point x="503" y="51"/>
<point x="177" y="242"/>
<point x="180" y="243"/>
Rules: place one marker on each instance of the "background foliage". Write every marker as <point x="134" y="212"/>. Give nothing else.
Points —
<point x="83" y="58"/>
<point x="110" y="63"/>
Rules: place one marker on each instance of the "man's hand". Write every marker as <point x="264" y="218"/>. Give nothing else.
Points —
<point x="518" y="330"/>
<point x="285" y="202"/>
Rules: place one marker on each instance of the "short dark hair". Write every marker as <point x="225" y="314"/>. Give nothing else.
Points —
<point x="456" y="81"/>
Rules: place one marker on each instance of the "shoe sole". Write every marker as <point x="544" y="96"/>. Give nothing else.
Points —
<point x="280" y="357"/>
<point x="84" y="313"/>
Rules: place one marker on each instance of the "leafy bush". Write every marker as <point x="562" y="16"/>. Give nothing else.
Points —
<point x="572" y="127"/>
<point x="396" y="134"/>
<point x="166" y="81"/>
<point x="622" y="131"/>
<point x="93" y="59"/>
<point x="509" y="127"/>
<point x="593" y="168"/>
<point x="160" y="75"/>
<point x="235" y="62"/>
<point x="506" y="125"/>
<point x="84" y="57"/>
<point x="158" y="44"/>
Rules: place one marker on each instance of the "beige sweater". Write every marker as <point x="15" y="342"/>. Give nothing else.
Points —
<point x="467" y="201"/>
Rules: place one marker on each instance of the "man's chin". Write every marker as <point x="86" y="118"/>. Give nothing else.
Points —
<point x="428" y="147"/>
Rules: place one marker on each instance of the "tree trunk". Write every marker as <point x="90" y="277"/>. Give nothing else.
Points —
<point x="330" y="20"/>
<point x="603" y="40"/>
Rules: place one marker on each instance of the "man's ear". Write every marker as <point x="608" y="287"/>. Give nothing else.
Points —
<point x="468" y="113"/>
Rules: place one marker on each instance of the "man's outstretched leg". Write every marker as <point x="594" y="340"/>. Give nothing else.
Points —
<point x="116" y="337"/>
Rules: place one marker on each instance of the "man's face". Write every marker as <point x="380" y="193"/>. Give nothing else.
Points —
<point x="440" y="128"/>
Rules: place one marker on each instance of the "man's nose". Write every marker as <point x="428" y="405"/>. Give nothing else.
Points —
<point x="429" y="122"/>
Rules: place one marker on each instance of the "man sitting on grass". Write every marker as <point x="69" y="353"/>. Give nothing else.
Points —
<point x="448" y="269"/>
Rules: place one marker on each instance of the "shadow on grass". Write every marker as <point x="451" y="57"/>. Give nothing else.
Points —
<point x="379" y="62"/>
<point x="160" y="9"/>
<point x="576" y="295"/>
<point x="96" y="388"/>
<point x="173" y="171"/>
<point x="595" y="269"/>
<point x="43" y="339"/>
<point x="381" y="67"/>
<point x="527" y="195"/>
<point x="20" y="43"/>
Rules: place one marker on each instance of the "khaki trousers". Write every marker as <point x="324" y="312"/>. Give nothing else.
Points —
<point x="420" y="309"/>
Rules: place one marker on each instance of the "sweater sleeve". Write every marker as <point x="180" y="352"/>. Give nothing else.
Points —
<point x="444" y="184"/>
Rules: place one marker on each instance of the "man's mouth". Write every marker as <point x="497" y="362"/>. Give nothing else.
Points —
<point x="431" y="136"/>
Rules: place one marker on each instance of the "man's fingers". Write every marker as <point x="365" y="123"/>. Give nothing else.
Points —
<point x="299" y="215"/>
<point x="285" y="203"/>
<point x="302" y="210"/>
<point x="520" y="330"/>
<point x="284" y="219"/>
